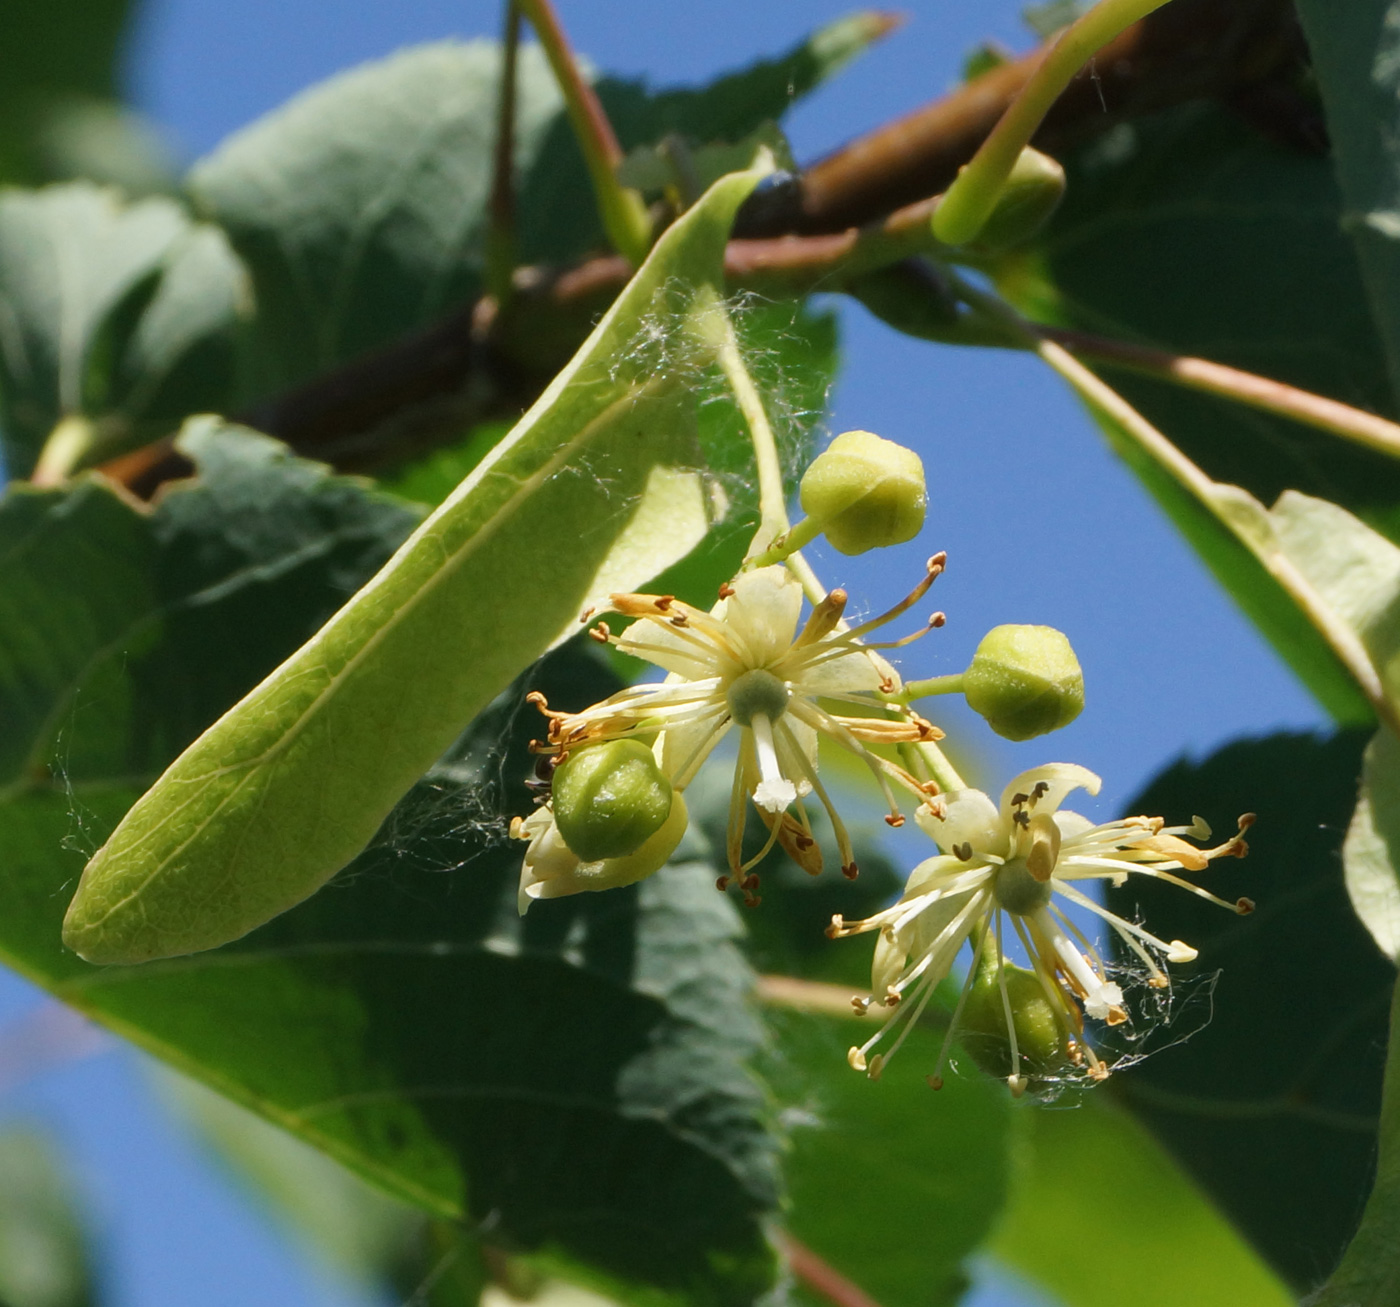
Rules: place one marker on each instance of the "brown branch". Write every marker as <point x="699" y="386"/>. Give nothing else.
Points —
<point x="1245" y="53"/>
<point x="479" y="363"/>
<point x="820" y="1276"/>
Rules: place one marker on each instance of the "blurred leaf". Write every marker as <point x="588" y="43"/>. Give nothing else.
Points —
<point x="358" y="1230"/>
<point x="1189" y="232"/>
<point x="294" y="780"/>
<point x="1100" y="1215"/>
<point x="575" y="1078"/>
<point x="105" y="142"/>
<point x="1353" y="54"/>
<point x="1272" y="1106"/>
<point x="44" y="1258"/>
<point x="891" y="1183"/>
<point x="120" y="314"/>
<point x="54" y="55"/>
<point x="359" y="207"/>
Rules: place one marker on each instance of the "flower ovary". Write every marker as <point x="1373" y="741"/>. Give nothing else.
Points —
<point x="757" y="694"/>
<point x="1018" y="891"/>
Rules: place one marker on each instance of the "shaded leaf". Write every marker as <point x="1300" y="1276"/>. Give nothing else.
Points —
<point x="119" y="314"/>
<point x="294" y="780"/>
<point x="1191" y="233"/>
<point x="574" y="1078"/>
<point x="1272" y="1106"/>
<point x="55" y="56"/>
<point x="891" y="1183"/>
<point x="1099" y="1215"/>
<point x="1354" y="55"/>
<point x="44" y="1257"/>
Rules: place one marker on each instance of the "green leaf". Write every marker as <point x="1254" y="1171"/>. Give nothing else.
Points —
<point x="922" y="1175"/>
<point x="1371" y="852"/>
<point x="358" y="1230"/>
<point x="44" y="1257"/>
<point x="292" y="782"/>
<point x="1191" y="233"/>
<point x="1369" y="1275"/>
<point x="1099" y="1215"/>
<point x="359" y="207"/>
<point x="557" y="219"/>
<point x="119" y="319"/>
<point x="125" y="632"/>
<point x="1272" y="1106"/>
<point x="574" y="1079"/>
<point x="1354" y="56"/>
<point x="56" y="58"/>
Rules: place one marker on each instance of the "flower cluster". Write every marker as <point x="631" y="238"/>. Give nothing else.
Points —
<point x="754" y="669"/>
<point x="1005" y="863"/>
<point x="746" y="665"/>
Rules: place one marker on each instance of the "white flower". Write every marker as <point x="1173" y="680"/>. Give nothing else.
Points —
<point x="1009" y="861"/>
<point x="746" y="664"/>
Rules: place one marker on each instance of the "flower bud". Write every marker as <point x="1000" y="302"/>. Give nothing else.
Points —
<point x="982" y="1027"/>
<point x="1028" y="197"/>
<point x="1025" y="680"/>
<point x="609" y="799"/>
<point x="865" y="492"/>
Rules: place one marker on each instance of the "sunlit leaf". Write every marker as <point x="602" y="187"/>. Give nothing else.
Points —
<point x="292" y="782"/>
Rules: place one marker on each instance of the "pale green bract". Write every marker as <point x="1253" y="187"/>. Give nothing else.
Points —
<point x="290" y="784"/>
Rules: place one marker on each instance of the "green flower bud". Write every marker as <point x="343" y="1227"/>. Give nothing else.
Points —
<point x="652" y="856"/>
<point x="1025" y="680"/>
<point x="1031" y="194"/>
<point x="610" y="799"/>
<point x="865" y="492"/>
<point x="982" y="1027"/>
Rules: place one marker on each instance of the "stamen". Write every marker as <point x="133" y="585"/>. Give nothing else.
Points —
<point x="825" y="618"/>
<point x="932" y="570"/>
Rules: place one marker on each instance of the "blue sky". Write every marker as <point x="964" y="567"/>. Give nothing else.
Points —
<point x="1040" y="521"/>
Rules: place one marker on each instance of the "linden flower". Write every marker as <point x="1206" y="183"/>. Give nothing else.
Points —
<point x="1008" y="862"/>
<point x="551" y="869"/>
<point x="746" y="664"/>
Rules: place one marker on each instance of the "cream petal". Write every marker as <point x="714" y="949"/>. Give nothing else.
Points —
<point x="1059" y="779"/>
<point x="762" y="614"/>
<point x="680" y="654"/>
<point x="969" y="817"/>
<point x="687" y="744"/>
<point x="851" y="673"/>
<point x="1072" y="824"/>
<point x="792" y="736"/>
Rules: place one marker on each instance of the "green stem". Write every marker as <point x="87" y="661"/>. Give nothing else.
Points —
<point x="500" y="235"/>
<point x="1263" y="393"/>
<point x="713" y="325"/>
<point x="785" y="546"/>
<point x="1232" y="507"/>
<point x="68" y="446"/>
<point x="1369" y="1275"/>
<point x="939" y="767"/>
<point x="623" y="213"/>
<point x="973" y="195"/>
<point x="951" y="684"/>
